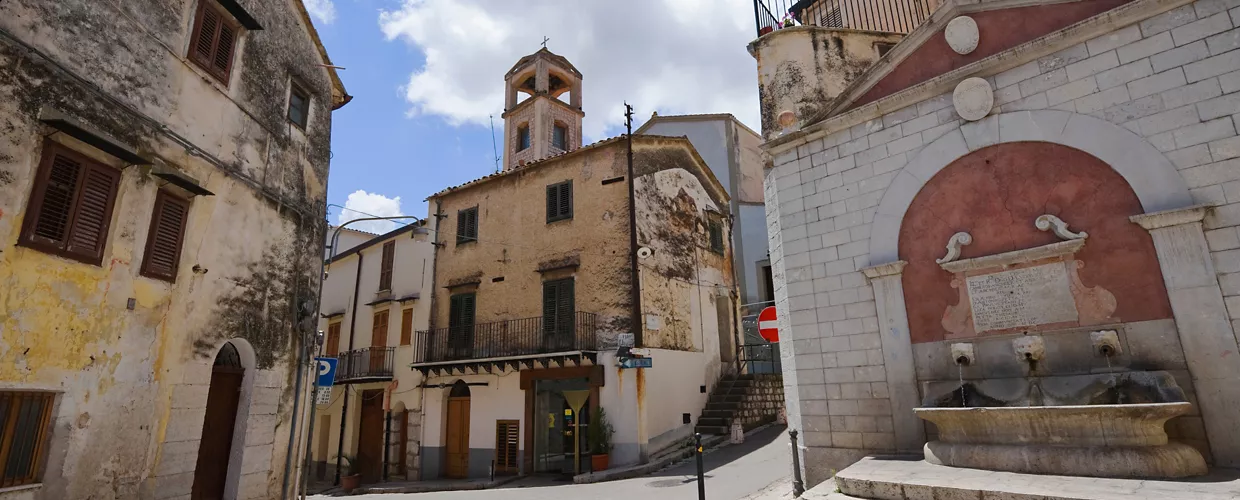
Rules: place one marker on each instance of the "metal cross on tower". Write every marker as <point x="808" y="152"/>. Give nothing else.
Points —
<point x="545" y="40"/>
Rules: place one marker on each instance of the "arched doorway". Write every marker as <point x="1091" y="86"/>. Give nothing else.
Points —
<point x="458" y="431"/>
<point x="215" y="446"/>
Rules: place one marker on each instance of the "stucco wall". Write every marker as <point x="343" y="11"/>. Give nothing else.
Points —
<point x="411" y="274"/>
<point x="133" y="383"/>
<point x="501" y="399"/>
<point x="1154" y="97"/>
<point x="514" y="239"/>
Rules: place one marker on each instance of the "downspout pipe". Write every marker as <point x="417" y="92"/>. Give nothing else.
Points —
<point x="344" y="409"/>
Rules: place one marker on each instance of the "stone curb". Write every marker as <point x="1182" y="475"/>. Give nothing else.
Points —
<point x="659" y="464"/>
<point x="430" y="488"/>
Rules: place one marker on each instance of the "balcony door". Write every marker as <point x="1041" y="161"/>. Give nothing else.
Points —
<point x="378" y="340"/>
<point x="558" y="312"/>
<point x="461" y="326"/>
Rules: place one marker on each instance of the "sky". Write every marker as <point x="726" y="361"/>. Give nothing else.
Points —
<point x="427" y="76"/>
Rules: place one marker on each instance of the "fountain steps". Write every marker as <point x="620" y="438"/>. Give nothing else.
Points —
<point x="901" y="478"/>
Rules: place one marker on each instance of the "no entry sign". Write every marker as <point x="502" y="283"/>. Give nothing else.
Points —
<point x="768" y="327"/>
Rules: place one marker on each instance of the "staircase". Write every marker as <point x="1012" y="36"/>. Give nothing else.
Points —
<point x="725" y="404"/>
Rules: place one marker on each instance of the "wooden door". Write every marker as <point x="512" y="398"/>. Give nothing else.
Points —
<point x="211" y="471"/>
<point x="458" y="438"/>
<point x="370" y="437"/>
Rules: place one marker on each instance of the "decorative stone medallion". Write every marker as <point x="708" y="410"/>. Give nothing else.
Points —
<point x="973" y="99"/>
<point x="961" y="34"/>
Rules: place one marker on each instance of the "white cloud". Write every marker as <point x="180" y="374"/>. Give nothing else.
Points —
<point x="362" y="204"/>
<point x="674" y="56"/>
<point x="322" y="10"/>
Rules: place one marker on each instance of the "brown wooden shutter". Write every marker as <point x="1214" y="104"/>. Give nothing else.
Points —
<point x="507" y="446"/>
<point x="55" y="206"/>
<point x="214" y="38"/>
<point x="385" y="266"/>
<point x="164" y="242"/>
<point x="333" y="339"/>
<point x="406" y="327"/>
<point x="379" y="329"/>
<point x="70" y="209"/>
<point x="24" y="424"/>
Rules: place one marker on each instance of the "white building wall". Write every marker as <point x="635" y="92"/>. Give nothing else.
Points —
<point x="1172" y="80"/>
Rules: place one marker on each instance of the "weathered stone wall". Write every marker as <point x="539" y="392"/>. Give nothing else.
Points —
<point x="133" y="382"/>
<point x="1153" y="99"/>
<point x="803" y="69"/>
<point x="763" y="401"/>
<point x="514" y="240"/>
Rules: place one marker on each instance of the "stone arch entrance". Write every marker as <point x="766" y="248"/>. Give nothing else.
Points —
<point x="456" y="441"/>
<point x="218" y="467"/>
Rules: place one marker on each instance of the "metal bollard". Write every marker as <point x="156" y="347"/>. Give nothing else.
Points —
<point x="697" y="442"/>
<point x="798" y="486"/>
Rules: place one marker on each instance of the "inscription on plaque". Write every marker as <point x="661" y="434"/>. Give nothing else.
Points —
<point x="1021" y="297"/>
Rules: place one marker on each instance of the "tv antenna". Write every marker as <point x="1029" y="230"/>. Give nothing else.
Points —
<point x="494" y="147"/>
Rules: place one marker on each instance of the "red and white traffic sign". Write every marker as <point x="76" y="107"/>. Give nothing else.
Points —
<point x="768" y="327"/>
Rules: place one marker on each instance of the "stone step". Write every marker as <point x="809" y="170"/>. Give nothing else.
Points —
<point x="713" y="421"/>
<point x="718" y="413"/>
<point x="711" y="429"/>
<point x="883" y="478"/>
<point x="728" y="407"/>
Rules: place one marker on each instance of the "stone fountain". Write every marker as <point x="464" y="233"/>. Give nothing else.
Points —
<point x="1109" y="424"/>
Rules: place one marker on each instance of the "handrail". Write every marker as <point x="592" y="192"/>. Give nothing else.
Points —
<point x="891" y="16"/>
<point x="537" y="335"/>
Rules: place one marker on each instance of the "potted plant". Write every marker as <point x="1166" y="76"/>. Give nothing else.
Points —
<point x="350" y="478"/>
<point x="600" y="432"/>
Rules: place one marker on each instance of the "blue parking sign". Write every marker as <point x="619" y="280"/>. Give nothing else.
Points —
<point x="327" y="371"/>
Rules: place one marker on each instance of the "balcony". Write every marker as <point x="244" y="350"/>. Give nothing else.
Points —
<point x="889" y="16"/>
<point x="512" y="342"/>
<point x="371" y="364"/>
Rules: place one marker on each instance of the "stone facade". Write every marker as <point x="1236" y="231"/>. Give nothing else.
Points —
<point x="762" y="402"/>
<point x="129" y="357"/>
<point x="1150" y="93"/>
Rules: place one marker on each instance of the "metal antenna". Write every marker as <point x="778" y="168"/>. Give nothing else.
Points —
<point x="494" y="147"/>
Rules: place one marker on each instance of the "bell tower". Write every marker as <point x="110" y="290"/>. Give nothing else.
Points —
<point x="541" y="125"/>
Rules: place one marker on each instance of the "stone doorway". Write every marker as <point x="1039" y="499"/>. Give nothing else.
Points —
<point x="215" y="448"/>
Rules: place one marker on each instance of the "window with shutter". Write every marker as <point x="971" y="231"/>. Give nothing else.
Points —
<point x="385" y="266"/>
<point x="558" y="313"/>
<point x="406" y="327"/>
<point x="461" y="309"/>
<point x="379" y="329"/>
<point x="507" y="444"/>
<point x="333" y="339"/>
<point x="213" y="40"/>
<point x="70" y="208"/>
<point x="467" y="225"/>
<point x="24" y="428"/>
<point x="715" y="229"/>
<point x="164" y="241"/>
<point x="560" y="201"/>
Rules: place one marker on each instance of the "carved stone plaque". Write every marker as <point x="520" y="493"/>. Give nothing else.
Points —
<point x="1028" y="296"/>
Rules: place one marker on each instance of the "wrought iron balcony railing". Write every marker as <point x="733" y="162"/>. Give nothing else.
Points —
<point x="892" y="16"/>
<point x="518" y="337"/>
<point x="370" y="363"/>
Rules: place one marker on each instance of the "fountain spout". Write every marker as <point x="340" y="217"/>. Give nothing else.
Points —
<point x="963" y="354"/>
<point x="1106" y="343"/>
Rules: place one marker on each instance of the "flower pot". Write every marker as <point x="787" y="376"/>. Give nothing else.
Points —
<point x="765" y="30"/>
<point x="350" y="483"/>
<point x="599" y="462"/>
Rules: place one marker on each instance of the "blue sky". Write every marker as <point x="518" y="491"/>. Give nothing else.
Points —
<point x="427" y="73"/>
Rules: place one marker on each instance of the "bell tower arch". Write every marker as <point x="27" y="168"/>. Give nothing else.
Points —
<point x="543" y="124"/>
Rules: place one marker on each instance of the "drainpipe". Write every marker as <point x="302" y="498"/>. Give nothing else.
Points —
<point x="301" y="365"/>
<point x="344" y="410"/>
<point x="638" y="329"/>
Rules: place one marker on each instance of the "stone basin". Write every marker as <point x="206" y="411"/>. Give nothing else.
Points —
<point x="1098" y="440"/>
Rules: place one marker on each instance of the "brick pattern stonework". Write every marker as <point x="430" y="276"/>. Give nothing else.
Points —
<point x="1173" y="79"/>
<point x="762" y="402"/>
